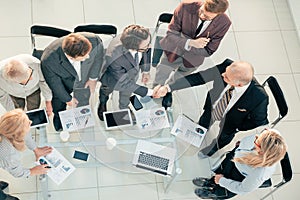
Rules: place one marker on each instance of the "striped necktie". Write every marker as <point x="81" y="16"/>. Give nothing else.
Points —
<point x="221" y="106"/>
<point x="136" y="58"/>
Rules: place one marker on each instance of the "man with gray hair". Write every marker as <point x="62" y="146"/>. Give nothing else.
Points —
<point x="21" y="82"/>
<point x="237" y="101"/>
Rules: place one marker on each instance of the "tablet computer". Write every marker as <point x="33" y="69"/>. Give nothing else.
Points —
<point x="117" y="119"/>
<point x="38" y="117"/>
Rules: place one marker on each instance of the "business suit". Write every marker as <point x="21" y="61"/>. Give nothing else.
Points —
<point x="181" y="28"/>
<point x="61" y="75"/>
<point x="122" y="72"/>
<point x="250" y="110"/>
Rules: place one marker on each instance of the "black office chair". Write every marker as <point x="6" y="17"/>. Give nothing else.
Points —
<point x="40" y="30"/>
<point x="157" y="51"/>
<point x="97" y="29"/>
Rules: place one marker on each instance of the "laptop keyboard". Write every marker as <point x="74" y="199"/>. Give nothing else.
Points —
<point x="153" y="161"/>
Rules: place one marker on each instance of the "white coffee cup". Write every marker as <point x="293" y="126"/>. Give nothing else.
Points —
<point x="64" y="136"/>
<point x="110" y="143"/>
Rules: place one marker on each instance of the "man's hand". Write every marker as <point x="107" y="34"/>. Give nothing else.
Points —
<point x="217" y="178"/>
<point x="162" y="91"/>
<point x="145" y="78"/>
<point x="39" y="169"/>
<point x="155" y="91"/>
<point x="199" y="42"/>
<point x="49" y="108"/>
<point x="42" y="151"/>
<point x="73" y="103"/>
<point x="91" y="84"/>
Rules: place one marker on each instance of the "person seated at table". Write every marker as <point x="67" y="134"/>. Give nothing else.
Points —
<point x="126" y="55"/>
<point x="237" y="101"/>
<point x="245" y="168"/>
<point x="22" y="82"/>
<point x="14" y="138"/>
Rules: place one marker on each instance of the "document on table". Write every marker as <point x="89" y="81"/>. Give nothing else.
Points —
<point x="153" y="119"/>
<point x="187" y="130"/>
<point x="60" y="169"/>
<point x="77" y="118"/>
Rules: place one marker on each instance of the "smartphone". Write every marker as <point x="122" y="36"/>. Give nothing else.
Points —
<point x="80" y="155"/>
<point x="136" y="103"/>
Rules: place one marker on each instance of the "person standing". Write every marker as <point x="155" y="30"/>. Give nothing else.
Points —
<point x="195" y="32"/>
<point x="21" y="82"/>
<point x="126" y="55"/>
<point x="68" y="63"/>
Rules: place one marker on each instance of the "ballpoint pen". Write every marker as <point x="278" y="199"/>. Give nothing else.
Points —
<point x="207" y="34"/>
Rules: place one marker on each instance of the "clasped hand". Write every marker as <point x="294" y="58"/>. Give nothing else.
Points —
<point x="160" y="91"/>
<point x="199" y="42"/>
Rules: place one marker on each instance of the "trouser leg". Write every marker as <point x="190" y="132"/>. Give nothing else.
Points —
<point x="34" y="100"/>
<point x="58" y="106"/>
<point x="124" y="99"/>
<point x="18" y="102"/>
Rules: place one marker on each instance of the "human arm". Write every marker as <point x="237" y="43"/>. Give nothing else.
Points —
<point x="6" y="101"/>
<point x="42" y="151"/>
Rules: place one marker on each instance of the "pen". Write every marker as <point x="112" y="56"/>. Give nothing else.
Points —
<point x="207" y="34"/>
<point x="86" y="121"/>
<point x="187" y="117"/>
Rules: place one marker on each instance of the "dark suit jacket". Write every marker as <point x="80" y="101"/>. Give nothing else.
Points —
<point x="250" y="111"/>
<point x="60" y="73"/>
<point x="121" y="71"/>
<point x="183" y="26"/>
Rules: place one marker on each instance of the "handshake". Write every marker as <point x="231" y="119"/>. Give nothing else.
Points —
<point x="160" y="91"/>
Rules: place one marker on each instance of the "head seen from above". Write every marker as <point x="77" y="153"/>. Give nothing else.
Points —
<point x="211" y="8"/>
<point x="136" y="37"/>
<point x="18" y="72"/>
<point x="238" y="74"/>
<point x="76" y="47"/>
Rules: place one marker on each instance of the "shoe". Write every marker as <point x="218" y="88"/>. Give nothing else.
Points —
<point x="9" y="197"/>
<point x="205" y="194"/>
<point x="101" y="109"/>
<point x="167" y="100"/>
<point x="204" y="183"/>
<point x="201" y="155"/>
<point x="3" y="185"/>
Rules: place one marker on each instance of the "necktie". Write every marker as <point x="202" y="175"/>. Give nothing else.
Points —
<point x="136" y="58"/>
<point x="199" y="28"/>
<point x="221" y="106"/>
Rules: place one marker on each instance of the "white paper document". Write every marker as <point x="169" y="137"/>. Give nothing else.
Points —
<point x="153" y="119"/>
<point x="77" y="118"/>
<point x="60" y="169"/>
<point x="187" y="130"/>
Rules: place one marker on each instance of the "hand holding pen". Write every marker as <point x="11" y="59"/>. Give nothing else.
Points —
<point x="200" y="42"/>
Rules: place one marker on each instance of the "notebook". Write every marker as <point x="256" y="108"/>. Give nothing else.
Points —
<point x="154" y="157"/>
<point x="38" y="117"/>
<point x="117" y="119"/>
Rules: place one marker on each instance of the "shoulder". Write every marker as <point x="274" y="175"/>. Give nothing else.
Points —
<point x="222" y="19"/>
<point x="189" y="7"/>
<point x="53" y="50"/>
<point x="258" y="90"/>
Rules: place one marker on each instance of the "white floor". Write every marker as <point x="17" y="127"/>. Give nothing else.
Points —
<point x="262" y="33"/>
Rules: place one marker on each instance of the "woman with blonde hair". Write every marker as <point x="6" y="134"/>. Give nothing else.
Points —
<point x="245" y="168"/>
<point x="14" y="138"/>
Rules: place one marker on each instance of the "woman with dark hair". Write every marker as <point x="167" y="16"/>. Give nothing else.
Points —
<point x="245" y="168"/>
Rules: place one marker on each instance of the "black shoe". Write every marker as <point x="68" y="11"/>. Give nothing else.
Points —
<point x="101" y="109"/>
<point x="3" y="185"/>
<point x="167" y="100"/>
<point x="204" y="182"/>
<point x="205" y="194"/>
<point x="9" y="197"/>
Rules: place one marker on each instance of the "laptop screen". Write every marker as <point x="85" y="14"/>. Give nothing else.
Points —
<point x="118" y="118"/>
<point x="38" y="117"/>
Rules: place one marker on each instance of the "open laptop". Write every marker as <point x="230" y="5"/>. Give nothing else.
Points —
<point x="117" y="119"/>
<point x="154" y="157"/>
<point x="38" y="117"/>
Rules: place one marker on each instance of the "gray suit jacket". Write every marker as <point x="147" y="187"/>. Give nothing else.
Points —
<point x="60" y="73"/>
<point x="121" y="71"/>
<point x="183" y="27"/>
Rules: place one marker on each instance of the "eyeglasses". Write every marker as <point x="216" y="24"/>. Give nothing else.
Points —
<point x="28" y="77"/>
<point x="256" y="144"/>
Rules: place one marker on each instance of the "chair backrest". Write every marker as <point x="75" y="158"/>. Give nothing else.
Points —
<point x="157" y="51"/>
<point x="40" y="30"/>
<point x="287" y="175"/>
<point x="278" y="95"/>
<point x="97" y="29"/>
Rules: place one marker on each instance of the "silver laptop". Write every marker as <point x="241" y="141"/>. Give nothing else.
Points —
<point x="154" y="157"/>
<point x="38" y="117"/>
<point x="117" y="119"/>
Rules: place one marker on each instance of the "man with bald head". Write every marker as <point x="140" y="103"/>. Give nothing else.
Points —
<point x="233" y="83"/>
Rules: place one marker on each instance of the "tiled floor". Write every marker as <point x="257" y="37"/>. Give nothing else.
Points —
<point x="262" y="33"/>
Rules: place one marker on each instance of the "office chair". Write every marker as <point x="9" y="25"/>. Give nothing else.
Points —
<point x="157" y="51"/>
<point x="102" y="30"/>
<point x="40" y="30"/>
